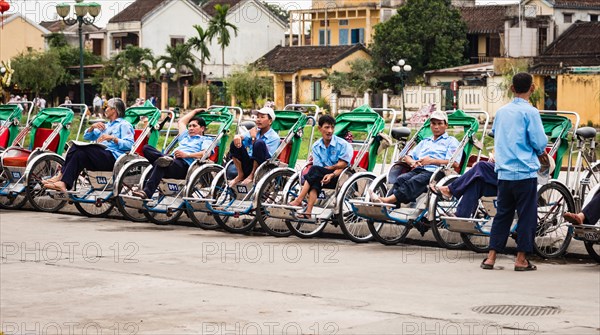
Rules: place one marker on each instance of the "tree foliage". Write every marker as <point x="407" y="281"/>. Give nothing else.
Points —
<point x="200" y="43"/>
<point x="181" y="58"/>
<point x="278" y="11"/>
<point x="360" y="78"/>
<point x="38" y="71"/>
<point x="428" y="34"/>
<point x="248" y="85"/>
<point x="219" y="27"/>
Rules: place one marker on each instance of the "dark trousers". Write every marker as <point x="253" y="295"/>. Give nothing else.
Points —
<point x="519" y="195"/>
<point x="592" y="210"/>
<point x="91" y="157"/>
<point x="177" y="170"/>
<point x="260" y="153"/>
<point x="409" y="186"/>
<point x="480" y="181"/>
<point x="315" y="176"/>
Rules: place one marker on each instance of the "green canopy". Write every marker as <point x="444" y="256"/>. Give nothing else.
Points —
<point x="362" y="119"/>
<point x="222" y="116"/>
<point x="134" y="114"/>
<point x="456" y="119"/>
<point x="46" y="117"/>
<point x="290" y="121"/>
<point x="9" y="113"/>
<point x="555" y="127"/>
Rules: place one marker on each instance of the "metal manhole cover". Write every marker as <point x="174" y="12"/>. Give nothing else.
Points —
<point x="517" y="310"/>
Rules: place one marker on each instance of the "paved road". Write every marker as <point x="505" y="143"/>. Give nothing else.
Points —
<point x="62" y="273"/>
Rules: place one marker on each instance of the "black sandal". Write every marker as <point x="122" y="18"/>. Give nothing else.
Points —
<point x="529" y="267"/>
<point x="486" y="266"/>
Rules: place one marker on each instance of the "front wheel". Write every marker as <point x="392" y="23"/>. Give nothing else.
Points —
<point x="44" y="168"/>
<point x="445" y="238"/>
<point x="594" y="250"/>
<point x="130" y="180"/>
<point x="10" y="201"/>
<point x="553" y="234"/>
<point x="271" y="192"/>
<point x="200" y="189"/>
<point x="97" y="209"/>
<point x="354" y="227"/>
<point x="302" y="228"/>
<point x="226" y="201"/>
<point x="387" y="233"/>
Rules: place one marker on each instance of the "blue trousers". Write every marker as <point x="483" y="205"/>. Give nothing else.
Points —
<point x="409" y="186"/>
<point x="91" y="157"/>
<point x="592" y="210"/>
<point x="519" y="195"/>
<point x="260" y="153"/>
<point x="177" y="170"/>
<point x="480" y="181"/>
<point x="315" y="176"/>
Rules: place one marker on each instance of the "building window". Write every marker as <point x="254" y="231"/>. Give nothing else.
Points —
<point x="322" y="40"/>
<point x="343" y="36"/>
<point x="593" y="17"/>
<point x="316" y="90"/>
<point x="176" y="41"/>
<point x="343" y="22"/>
<point x="324" y="23"/>
<point x="568" y="17"/>
<point x="357" y="36"/>
<point x="542" y="39"/>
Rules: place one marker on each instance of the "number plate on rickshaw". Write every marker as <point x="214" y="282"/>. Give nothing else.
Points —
<point x="587" y="233"/>
<point x="173" y="187"/>
<point x="101" y="180"/>
<point x="16" y="174"/>
<point x="242" y="189"/>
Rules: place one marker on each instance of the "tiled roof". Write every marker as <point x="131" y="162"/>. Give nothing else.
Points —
<point x="585" y="4"/>
<point x="60" y="26"/>
<point x="209" y="7"/>
<point x="577" y="46"/>
<point x="136" y="11"/>
<point x="291" y="59"/>
<point x="484" y="19"/>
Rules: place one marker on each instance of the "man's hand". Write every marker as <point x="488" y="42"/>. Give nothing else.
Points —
<point x="327" y="179"/>
<point x="237" y="141"/>
<point x="98" y="125"/>
<point x="425" y="161"/>
<point x="181" y="154"/>
<point x="253" y="132"/>
<point x="544" y="160"/>
<point x="106" y="137"/>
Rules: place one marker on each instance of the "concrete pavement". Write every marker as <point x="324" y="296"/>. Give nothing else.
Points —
<point x="63" y="273"/>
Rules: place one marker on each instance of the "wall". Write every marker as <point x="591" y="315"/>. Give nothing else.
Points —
<point x="334" y="27"/>
<point x="581" y="94"/>
<point x="578" y="15"/>
<point x="17" y="36"/>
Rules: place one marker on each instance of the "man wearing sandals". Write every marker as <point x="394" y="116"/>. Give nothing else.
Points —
<point x="519" y="139"/>
<point x="431" y="153"/>
<point x="117" y="138"/>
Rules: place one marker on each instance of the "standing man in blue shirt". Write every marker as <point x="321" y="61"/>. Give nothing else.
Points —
<point x="192" y="145"/>
<point x="250" y="150"/>
<point x="116" y="135"/>
<point x="331" y="155"/>
<point x="519" y="144"/>
<point x="431" y="153"/>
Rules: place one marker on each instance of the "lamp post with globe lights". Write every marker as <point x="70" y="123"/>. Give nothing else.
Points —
<point x="402" y="70"/>
<point x="167" y="71"/>
<point x="81" y="9"/>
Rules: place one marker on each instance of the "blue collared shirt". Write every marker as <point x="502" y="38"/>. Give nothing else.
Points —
<point x="442" y="148"/>
<point x="518" y="139"/>
<point x="193" y="144"/>
<point x="337" y="150"/>
<point x="271" y="139"/>
<point x="119" y="128"/>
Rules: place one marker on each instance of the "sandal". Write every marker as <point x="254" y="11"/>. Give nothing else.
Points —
<point x="486" y="266"/>
<point x="529" y="267"/>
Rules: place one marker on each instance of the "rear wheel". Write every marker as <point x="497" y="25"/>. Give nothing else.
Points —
<point x="553" y="234"/>
<point x="10" y="201"/>
<point x="271" y="192"/>
<point x="479" y="243"/>
<point x="353" y="226"/>
<point x="594" y="250"/>
<point x="201" y="190"/>
<point x="445" y="238"/>
<point x="387" y="233"/>
<point x="93" y="209"/>
<point x="225" y="198"/>
<point x="302" y="229"/>
<point x="38" y="196"/>
<point x="590" y="179"/>
<point x="130" y="181"/>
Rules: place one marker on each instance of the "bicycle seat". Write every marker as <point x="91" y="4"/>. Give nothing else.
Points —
<point x="400" y="133"/>
<point x="586" y="132"/>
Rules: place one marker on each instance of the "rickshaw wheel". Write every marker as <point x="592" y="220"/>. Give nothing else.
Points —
<point x="387" y="233"/>
<point x="445" y="237"/>
<point x="354" y="227"/>
<point x="553" y="235"/>
<point x="201" y="189"/>
<point x="271" y="192"/>
<point x="90" y="209"/>
<point x="129" y="182"/>
<point x="592" y="177"/>
<point x="7" y="202"/>
<point x="44" y="168"/>
<point x="594" y="250"/>
<point x="224" y="195"/>
<point x="300" y="228"/>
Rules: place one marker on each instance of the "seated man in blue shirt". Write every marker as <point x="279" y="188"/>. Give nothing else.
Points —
<point x="426" y="157"/>
<point x="117" y="136"/>
<point x="250" y="150"/>
<point x="331" y="155"/>
<point x="192" y="145"/>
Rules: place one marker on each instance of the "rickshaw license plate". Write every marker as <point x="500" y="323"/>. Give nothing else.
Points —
<point x="173" y="187"/>
<point x="591" y="236"/>
<point x="242" y="189"/>
<point x="101" y="180"/>
<point x="16" y="174"/>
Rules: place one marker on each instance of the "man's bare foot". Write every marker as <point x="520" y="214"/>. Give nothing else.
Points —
<point x="374" y="197"/>
<point x="295" y="203"/>
<point x="248" y="180"/>
<point x="57" y="186"/>
<point x="52" y="180"/>
<point x="445" y="191"/>
<point x="235" y="181"/>
<point x="576" y="219"/>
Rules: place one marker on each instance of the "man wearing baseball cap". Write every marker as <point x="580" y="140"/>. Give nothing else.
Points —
<point x="431" y="153"/>
<point x="250" y="150"/>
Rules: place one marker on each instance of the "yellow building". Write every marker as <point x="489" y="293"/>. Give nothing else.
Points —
<point x="298" y="75"/>
<point x="342" y="22"/>
<point x="19" y="35"/>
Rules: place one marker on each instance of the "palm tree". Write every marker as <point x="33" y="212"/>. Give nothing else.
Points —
<point x="219" y="27"/>
<point x="133" y="63"/>
<point x="182" y="60"/>
<point x="200" y="43"/>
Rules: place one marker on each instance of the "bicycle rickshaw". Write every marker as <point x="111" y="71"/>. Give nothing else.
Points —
<point x="331" y="205"/>
<point x="554" y="198"/>
<point x="94" y="192"/>
<point x="10" y="117"/>
<point x="589" y="234"/>
<point x="234" y="208"/>
<point x="390" y="225"/>
<point x="174" y="196"/>
<point x="24" y="169"/>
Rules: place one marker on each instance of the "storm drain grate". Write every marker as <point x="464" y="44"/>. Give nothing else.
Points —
<point x="517" y="310"/>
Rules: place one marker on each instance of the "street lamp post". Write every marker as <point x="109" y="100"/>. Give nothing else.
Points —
<point x="401" y="71"/>
<point x="81" y="11"/>
<point x="167" y="71"/>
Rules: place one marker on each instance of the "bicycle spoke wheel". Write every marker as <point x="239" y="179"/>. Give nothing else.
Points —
<point x="11" y="201"/>
<point x="553" y="235"/>
<point x="38" y="196"/>
<point x="271" y="192"/>
<point x="446" y="238"/>
<point x="128" y="182"/>
<point x="90" y="209"/>
<point x="594" y="250"/>
<point x="200" y="189"/>
<point x="387" y="233"/>
<point x="353" y="226"/>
